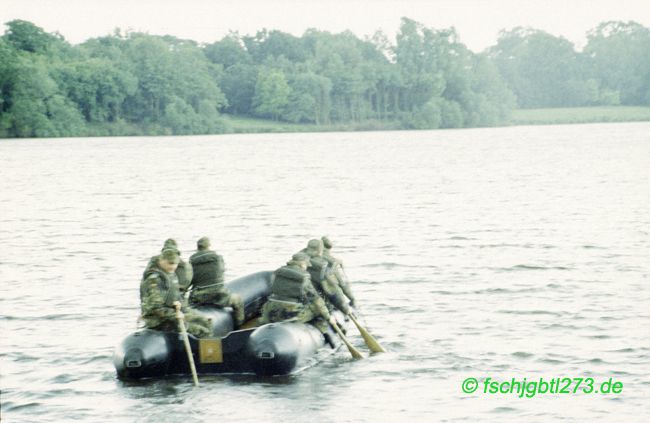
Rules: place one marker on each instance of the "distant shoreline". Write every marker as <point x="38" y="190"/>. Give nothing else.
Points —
<point x="520" y="117"/>
<point x="600" y="114"/>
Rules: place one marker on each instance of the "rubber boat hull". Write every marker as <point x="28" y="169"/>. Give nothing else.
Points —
<point x="268" y="350"/>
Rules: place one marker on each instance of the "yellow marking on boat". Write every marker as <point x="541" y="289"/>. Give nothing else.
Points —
<point x="252" y="323"/>
<point x="210" y="351"/>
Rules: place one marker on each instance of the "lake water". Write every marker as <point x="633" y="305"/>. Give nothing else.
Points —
<point x="506" y="253"/>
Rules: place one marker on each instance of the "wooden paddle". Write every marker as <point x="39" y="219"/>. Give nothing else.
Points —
<point x="355" y="352"/>
<point x="370" y="340"/>
<point x="186" y="341"/>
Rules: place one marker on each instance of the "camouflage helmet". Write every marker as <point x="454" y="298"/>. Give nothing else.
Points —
<point x="327" y="243"/>
<point x="299" y="258"/>
<point x="170" y="254"/>
<point x="171" y="244"/>
<point x="314" y="243"/>
<point x="203" y="243"/>
<point x="314" y="247"/>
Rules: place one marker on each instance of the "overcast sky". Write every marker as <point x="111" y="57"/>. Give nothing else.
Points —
<point x="477" y="21"/>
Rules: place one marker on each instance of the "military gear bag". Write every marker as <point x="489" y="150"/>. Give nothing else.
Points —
<point x="290" y="284"/>
<point x="208" y="269"/>
<point x="317" y="269"/>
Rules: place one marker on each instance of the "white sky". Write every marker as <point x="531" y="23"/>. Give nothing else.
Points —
<point x="477" y="21"/>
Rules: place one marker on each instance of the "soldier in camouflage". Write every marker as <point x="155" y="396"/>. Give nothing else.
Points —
<point x="183" y="271"/>
<point x="159" y="290"/>
<point x="323" y="278"/>
<point x="337" y="266"/>
<point x="294" y="298"/>
<point x="207" y="286"/>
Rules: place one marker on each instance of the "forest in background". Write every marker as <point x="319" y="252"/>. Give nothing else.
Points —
<point x="139" y="84"/>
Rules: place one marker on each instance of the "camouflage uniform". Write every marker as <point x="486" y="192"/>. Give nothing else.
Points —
<point x="158" y="292"/>
<point x="208" y="285"/>
<point x="323" y="278"/>
<point x="337" y="267"/>
<point x="294" y="298"/>
<point x="184" y="270"/>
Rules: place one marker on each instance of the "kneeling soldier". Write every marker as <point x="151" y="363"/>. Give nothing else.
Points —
<point x="183" y="271"/>
<point x="324" y="279"/>
<point x="159" y="291"/>
<point x="294" y="298"/>
<point x="207" y="283"/>
<point x="337" y="266"/>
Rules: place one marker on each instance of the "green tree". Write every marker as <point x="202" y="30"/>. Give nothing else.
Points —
<point x="238" y="85"/>
<point x="539" y="68"/>
<point x="35" y="107"/>
<point x="271" y="93"/>
<point x="228" y="52"/>
<point x="169" y="70"/>
<point x="309" y="99"/>
<point x="417" y="54"/>
<point x="8" y="73"/>
<point x="341" y="58"/>
<point x="275" y="43"/>
<point x="618" y="54"/>
<point x="97" y="87"/>
<point x="28" y="37"/>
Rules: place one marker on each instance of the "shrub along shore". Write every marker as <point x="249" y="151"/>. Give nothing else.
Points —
<point x="251" y="125"/>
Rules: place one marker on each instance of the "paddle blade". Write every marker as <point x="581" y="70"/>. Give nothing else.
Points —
<point x="355" y="352"/>
<point x="370" y="340"/>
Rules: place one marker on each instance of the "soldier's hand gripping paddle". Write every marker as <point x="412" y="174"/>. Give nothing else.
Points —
<point x="370" y="340"/>
<point x="186" y="341"/>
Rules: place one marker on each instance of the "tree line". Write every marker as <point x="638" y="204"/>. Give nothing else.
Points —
<point x="135" y="83"/>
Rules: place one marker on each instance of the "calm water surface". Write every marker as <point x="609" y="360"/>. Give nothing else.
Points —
<point x="510" y="252"/>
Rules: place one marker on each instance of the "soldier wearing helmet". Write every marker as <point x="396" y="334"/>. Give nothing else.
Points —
<point x="183" y="271"/>
<point x="338" y="270"/>
<point x="159" y="290"/>
<point x="207" y="285"/>
<point x="323" y="277"/>
<point x="294" y="298"/>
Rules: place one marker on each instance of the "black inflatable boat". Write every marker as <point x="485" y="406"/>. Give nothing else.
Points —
<point x="272" y="349"/>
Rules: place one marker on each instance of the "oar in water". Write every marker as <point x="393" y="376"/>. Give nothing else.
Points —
<point x="186" y="341"/>
<point x="370" y="340"/>
<point x="355" y="352"/>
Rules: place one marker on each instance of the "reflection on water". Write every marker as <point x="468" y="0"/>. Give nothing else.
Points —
<point x="510" y="252"/>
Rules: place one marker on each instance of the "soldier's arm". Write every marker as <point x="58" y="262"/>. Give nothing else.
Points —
<point x="153" y="303"/>
<point x="342" y="280"/>
<point x="334" y="293"/>
<point x="346" y="288"/>
<point x="315" y="301"/>
<point x="221" y="268"/>
<point x="189" y="274"/>
<point x="318" y="307"/>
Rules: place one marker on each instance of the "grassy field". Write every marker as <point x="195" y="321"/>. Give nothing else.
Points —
<point x="579" y="115"/>
<point x="239" y="124"/>
<point x="557" y="116"/>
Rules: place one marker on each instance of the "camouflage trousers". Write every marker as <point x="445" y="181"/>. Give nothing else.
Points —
<point x="196" y="324"/>
<point x="280" y="311"/>
<point x="220" y="298"/>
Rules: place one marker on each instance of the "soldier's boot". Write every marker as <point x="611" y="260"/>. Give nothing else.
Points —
<point x="198" y="330"/>
<point x="342" y="327"/>
<point x="237" y="310"/>
<point x="329" y="340"/>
